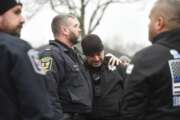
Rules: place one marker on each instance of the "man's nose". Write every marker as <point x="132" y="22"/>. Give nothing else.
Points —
<point x="22" y="19"/>
<point x="96" y="57"/>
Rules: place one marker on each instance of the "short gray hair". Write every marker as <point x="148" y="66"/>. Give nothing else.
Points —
<point x="60" y="20"/>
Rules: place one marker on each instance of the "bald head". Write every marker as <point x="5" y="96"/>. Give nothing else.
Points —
<point x="164" y="16"/>
<point x="170" y="11"/>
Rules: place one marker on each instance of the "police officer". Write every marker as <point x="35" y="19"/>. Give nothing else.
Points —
<point x="107" y="80"/>
<point x="65" y="68"/>
<point x="23" y="93"/>
<point x="152" y="85"/>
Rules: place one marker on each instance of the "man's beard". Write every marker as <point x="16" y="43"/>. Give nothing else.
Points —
<point x="17" y="34"/>
<point x="95" y="65"/>
<point x="74" y="39"/>
<point x="17" y="31"/>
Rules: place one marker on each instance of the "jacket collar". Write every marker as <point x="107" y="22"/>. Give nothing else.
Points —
<point x="95" y="69"/>
<point x="170" y="39"/>
<point x="60" y="45"/>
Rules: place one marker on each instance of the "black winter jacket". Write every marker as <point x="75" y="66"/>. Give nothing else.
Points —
<point x="23" y="92"/>
<point x="152" y="86"/>
<point x="108" y="91"/>
<point x="68" y="81"/>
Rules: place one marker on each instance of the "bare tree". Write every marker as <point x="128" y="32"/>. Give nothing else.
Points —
<point x="79" y="8"/>
<point x="31" y="7"/>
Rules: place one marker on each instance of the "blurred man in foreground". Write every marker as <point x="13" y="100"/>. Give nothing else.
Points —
<point x="152" y="85"/>
<point x="23" y="92"/>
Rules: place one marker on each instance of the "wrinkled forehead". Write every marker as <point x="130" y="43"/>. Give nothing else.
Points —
<point x="16" y="9"/>
<point x="18" y="6"/>
<point x="97" y="53"/>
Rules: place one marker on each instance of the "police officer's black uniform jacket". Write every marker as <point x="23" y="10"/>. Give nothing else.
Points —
<point x="150" y="91"/>
<point x="108" y="90"/>
<point x="67" y="74"/>
<point x="23" y="92"/>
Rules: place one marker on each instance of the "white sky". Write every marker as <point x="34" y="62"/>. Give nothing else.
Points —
<point x="122" y="25"/>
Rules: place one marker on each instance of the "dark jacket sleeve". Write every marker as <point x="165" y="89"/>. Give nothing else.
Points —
<point x="122" y="71"/>
<point x="33" y="97"/>
<point x="55" y="73"/>
<point x="148" y="78"/>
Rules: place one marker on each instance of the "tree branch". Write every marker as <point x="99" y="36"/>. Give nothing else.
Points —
<point x="71" y="4"/>
<point x="36" y="11"/>
<point x="86" y="2"/>
<point x="100" y="7"/>
<point x="53" y="6"/>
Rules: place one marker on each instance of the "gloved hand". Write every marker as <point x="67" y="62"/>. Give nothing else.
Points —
<point x="125" y="60"/>
<point x="113" y="60"/>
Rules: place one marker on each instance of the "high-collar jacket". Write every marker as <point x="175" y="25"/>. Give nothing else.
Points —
<point x="149" y="84"/>
<point x="108" y="91"/>
<point x="68" y="76"/>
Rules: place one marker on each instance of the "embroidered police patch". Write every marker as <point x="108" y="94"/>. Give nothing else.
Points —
<point x="46" y="63"/>
<point x="175" y="75"/>
<point x="36" y="63"/>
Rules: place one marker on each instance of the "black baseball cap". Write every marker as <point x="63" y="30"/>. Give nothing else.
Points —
<point x="5" y="5"/>
<point x="91" y="44"/>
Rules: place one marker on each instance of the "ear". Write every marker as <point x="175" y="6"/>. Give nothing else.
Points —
<point x="65" y="30"/>
<point x="0" y="20"/>
<point x="160" y="24"/>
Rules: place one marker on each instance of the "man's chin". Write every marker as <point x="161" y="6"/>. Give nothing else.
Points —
<point x="76" y="41"/>
<point x="97" y="65"/>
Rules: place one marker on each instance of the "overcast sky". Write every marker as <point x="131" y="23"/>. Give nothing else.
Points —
<point x="125" y="24"/>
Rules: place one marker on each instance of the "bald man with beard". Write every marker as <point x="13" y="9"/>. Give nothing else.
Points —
<point x="152" y="87"/>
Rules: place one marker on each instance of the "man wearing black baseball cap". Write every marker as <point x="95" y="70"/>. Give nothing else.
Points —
<point x="8" y="4"/>
<point x="23" y="92"/>
<point x="107" y="81"/>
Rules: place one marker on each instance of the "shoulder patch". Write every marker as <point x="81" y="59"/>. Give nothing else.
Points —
<point x="174" y="53"/>
<point x="36" y="63"/>
<point x="46" y="63"/>
<point x="175" y="76"/>
<point x="129" y="68"/>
